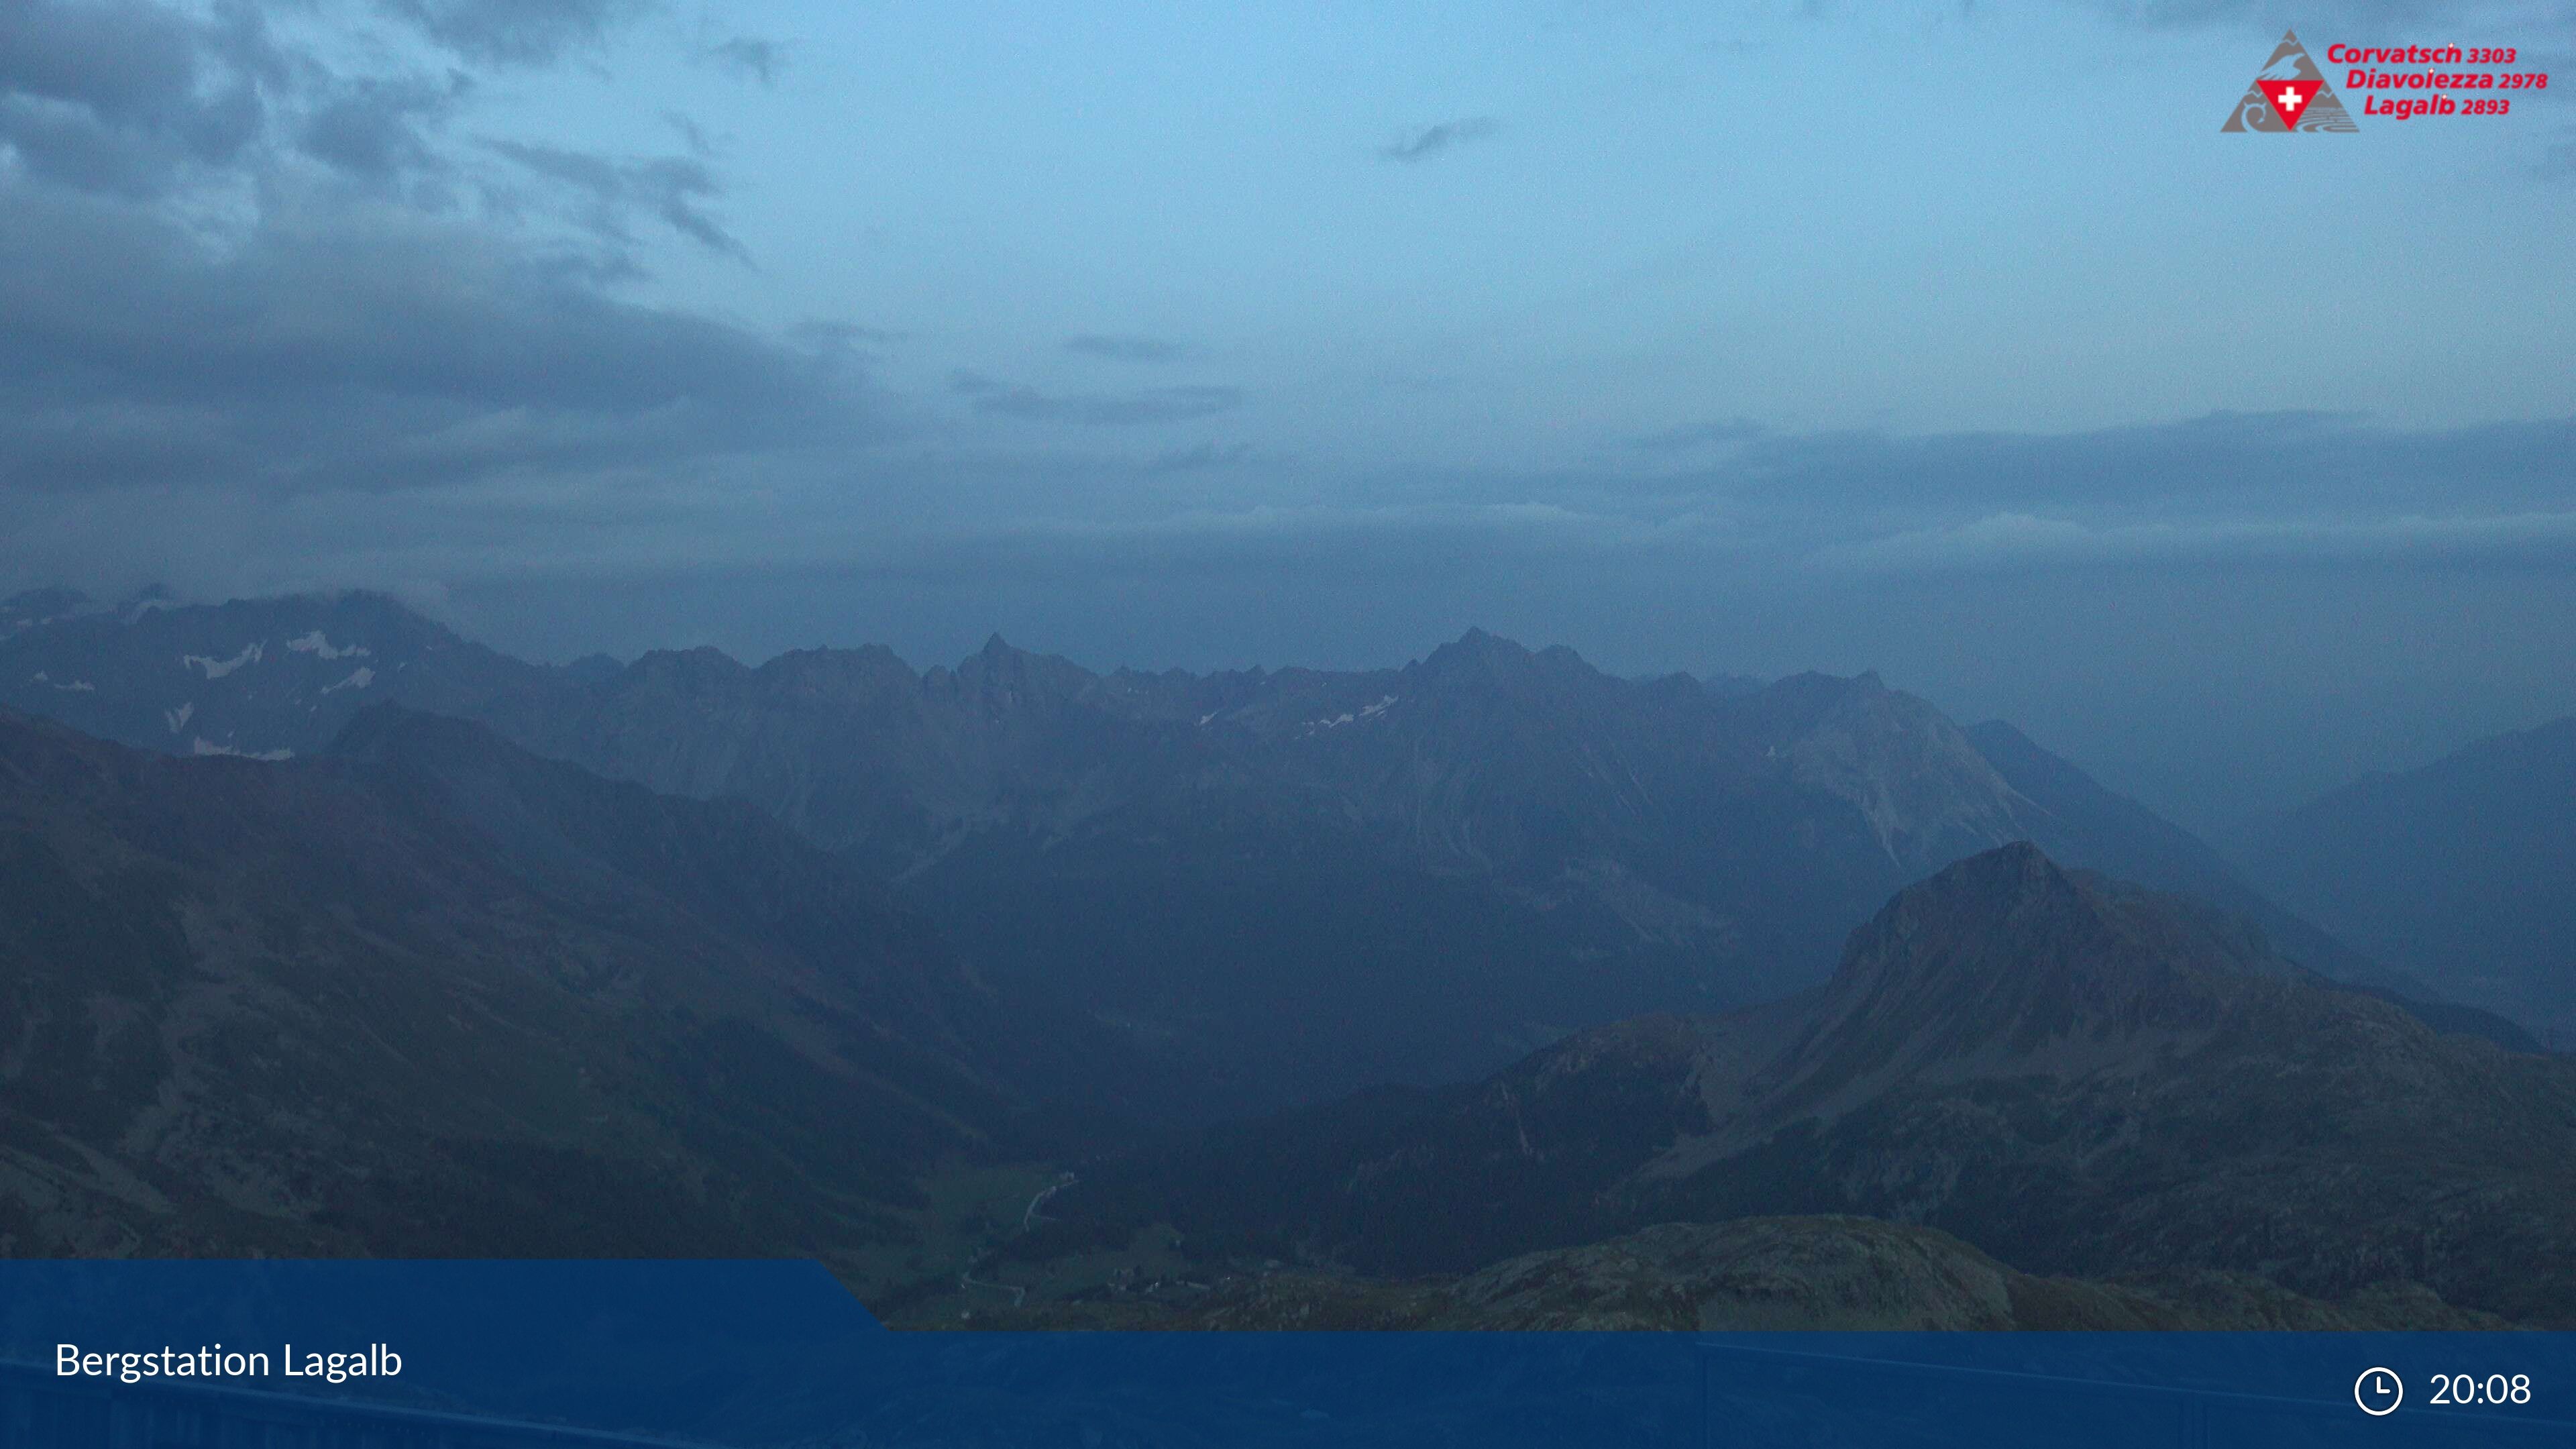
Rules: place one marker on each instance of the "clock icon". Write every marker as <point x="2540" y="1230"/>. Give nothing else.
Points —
<point x="2378" y="1391"/>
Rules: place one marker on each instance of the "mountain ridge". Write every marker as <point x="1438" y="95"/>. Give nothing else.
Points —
<point x="1444" y="863"/>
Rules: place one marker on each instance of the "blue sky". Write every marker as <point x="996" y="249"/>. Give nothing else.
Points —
<point x="1950" y="340"/>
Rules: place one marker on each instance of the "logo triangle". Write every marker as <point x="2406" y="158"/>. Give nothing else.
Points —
<point x="2290" y="94"/>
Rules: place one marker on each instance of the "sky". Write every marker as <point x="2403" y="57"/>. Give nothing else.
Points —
<point x="1954" y="341"/>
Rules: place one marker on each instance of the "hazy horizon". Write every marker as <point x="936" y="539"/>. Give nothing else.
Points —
<point x="2233" y="467"/>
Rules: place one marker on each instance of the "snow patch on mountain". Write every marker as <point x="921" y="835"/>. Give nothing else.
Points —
<point x="251" y="653"/>
<point x="1368" y="711"/>
<point x="316" y="643"/>
<point x="178" y="718"/>
<point x="203" y="746"/>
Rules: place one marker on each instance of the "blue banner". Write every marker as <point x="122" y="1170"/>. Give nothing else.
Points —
<point x="427" y="1355"/>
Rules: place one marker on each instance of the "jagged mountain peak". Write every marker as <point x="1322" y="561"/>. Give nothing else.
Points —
<point x="1009" y="676"/>
<point x="1477" y="659"/>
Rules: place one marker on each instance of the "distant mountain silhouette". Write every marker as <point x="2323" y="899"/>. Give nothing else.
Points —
<point x="2462" y="873"/>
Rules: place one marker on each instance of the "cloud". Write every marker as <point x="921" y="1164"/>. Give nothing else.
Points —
<point x="751" y="57"/>
<point x="131" y="98"/>
<point x="1119" y="409"/>
<point x="1424" y="142"/>
<point x="1124" y="349"/>
<point x="376" y="127"/>
<point x="669" y="188"/>
<point x="358" y="349"/>
<point x="515" y="32"/>
<point x="267" y="317"/>
<point x="691" y="134"/>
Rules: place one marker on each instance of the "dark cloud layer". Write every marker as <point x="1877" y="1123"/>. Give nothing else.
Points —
<point x="334" y="356"/>
<point x="129" y="98"/>
<point x="395" y="334"/>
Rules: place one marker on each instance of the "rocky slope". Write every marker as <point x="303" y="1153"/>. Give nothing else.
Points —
<point x="2076" y="1076"/>
<point x="1749" y="1275"/>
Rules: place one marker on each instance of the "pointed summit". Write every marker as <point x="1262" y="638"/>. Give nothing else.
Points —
<point x="2005" y="964"/>
<point x="1010" y="677"/>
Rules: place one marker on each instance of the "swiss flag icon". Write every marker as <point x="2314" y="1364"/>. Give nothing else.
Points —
<point x="2289" y="98"/>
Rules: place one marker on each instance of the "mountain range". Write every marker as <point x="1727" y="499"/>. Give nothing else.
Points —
<point x="1287" y="884"/>
<point x="2073" y="1074"/>
<point x="1517" y="993"/>
<point x="422" y="993"/>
